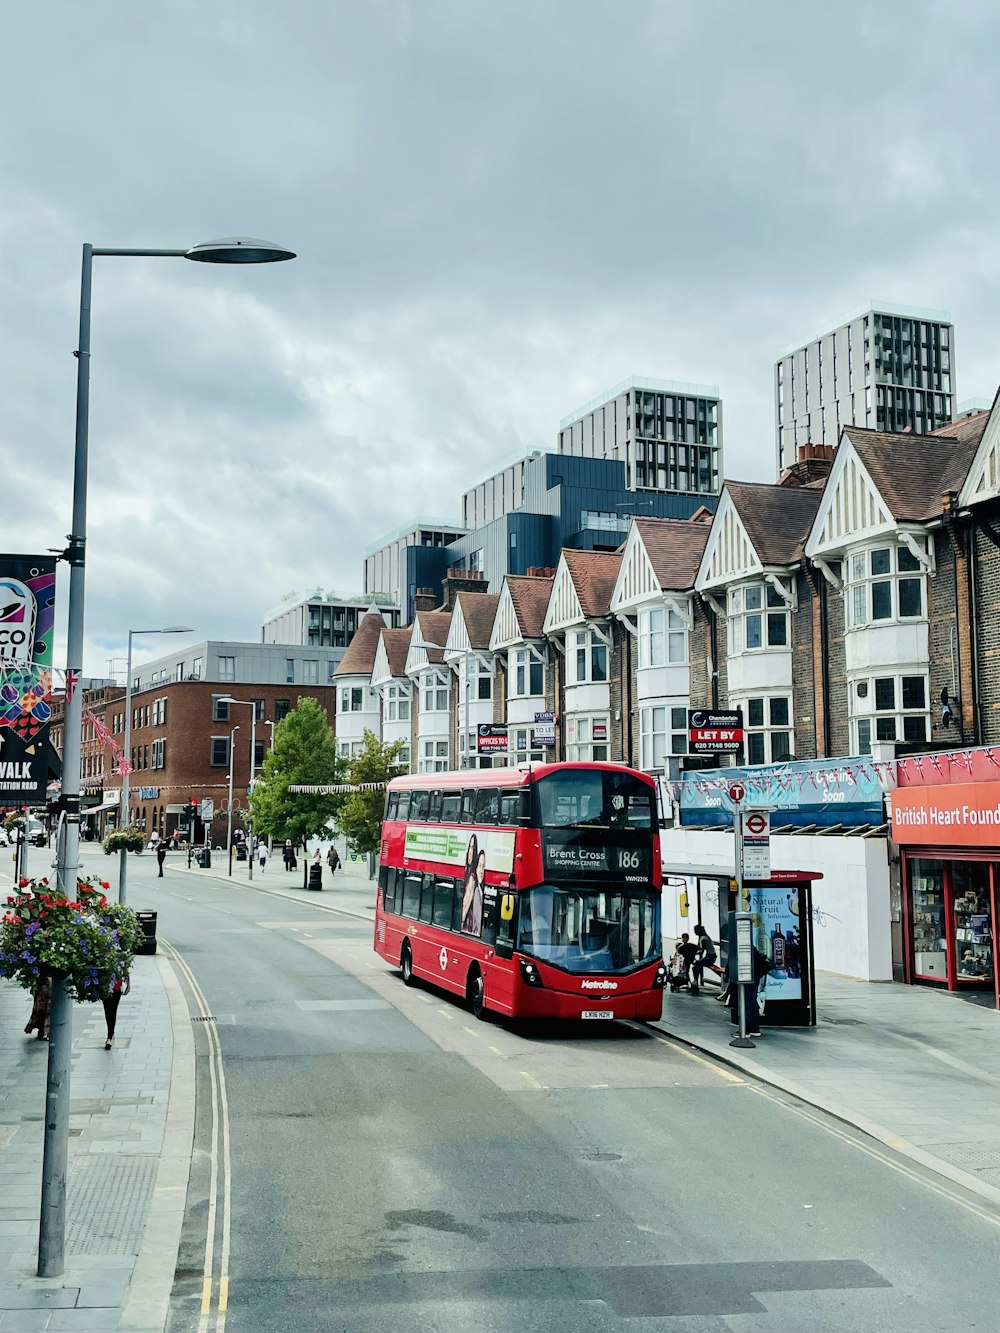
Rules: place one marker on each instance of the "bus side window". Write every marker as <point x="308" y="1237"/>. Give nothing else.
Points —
<point x="491" y="910"/>
<point x="403" y="810"/>
<point x="418" y="804"/>
<point x="468" y="807"/>
<point x="389" y="892"/>
<point x="411" y="894"/>
<point x="456" y="920"/>
<point x="487" y="806"/>
<point x="451" y="807"/>
<point x="510" y="807"/>
<point x="434" y="806"/>
<point x="427" y="898"/>
<point x="392" y="805"/>
<point x="383" y="877"/>
<point x="444" y="902"/>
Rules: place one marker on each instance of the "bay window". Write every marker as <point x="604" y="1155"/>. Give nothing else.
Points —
<point x="435" y="693"/>
<point x="397" y="703"/>
<point x="663" y="731"/>
<point x="889" y="708"/>
<point x="758" y="618"/>
<point x="662" y="637"/>
<point x="434" y="757"/>
<point x="526" y="675"/>
<point x="520" y="747"/>
<point x="586" y="657"/>
<point x="767" y="728"/>
<point x="587" y="738"/>
<point x="883" y="583"/>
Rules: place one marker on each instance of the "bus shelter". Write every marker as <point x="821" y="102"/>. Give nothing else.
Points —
<point x="782" y="925"/>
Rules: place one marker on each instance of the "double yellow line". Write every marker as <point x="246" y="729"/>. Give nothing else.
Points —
<point x="213" y="1320"/>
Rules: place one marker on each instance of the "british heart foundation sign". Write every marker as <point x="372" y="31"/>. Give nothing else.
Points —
<point x="965" y="814"/>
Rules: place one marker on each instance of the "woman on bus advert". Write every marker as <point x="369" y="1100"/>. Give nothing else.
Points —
<point x="472" y="898"/>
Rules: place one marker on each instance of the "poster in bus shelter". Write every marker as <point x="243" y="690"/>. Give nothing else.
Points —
<point x="27" y="619"/>
<point x="777" y="937"/>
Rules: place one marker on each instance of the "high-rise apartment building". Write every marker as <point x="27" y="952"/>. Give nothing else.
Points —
<point x="413" y="556"/>
<point x="885" y="366"/>
<point x="668" y="435"/>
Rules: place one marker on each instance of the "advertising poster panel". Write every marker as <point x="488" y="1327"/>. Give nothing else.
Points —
<point x="777" y="935"/>
<point x="27" y="617"/>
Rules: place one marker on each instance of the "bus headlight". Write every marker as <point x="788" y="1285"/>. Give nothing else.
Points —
<point x="660" y="980"/>
<point x="529" y="973"/>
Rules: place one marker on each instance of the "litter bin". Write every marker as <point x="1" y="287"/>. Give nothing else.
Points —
<point x="147" y="920"/>
<point x="205" y="858"/>
<point x="241" y="851"/>
<point x="315" y="875"/>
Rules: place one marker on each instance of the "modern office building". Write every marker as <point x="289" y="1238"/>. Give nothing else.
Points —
<point x="888" y="367"/>
<point x="228" y="663"/>
<point x="410" y="557"/>
<point x="324" y="619"/>
<point x="668" y="435"/>
<point x="563" y="501"/>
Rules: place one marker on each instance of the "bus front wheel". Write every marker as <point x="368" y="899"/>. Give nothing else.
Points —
<point x="475" y="990"/>
<point x="406" y="966"/>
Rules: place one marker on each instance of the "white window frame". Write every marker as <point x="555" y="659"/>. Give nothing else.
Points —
<point x="434" y="686"/>
<point x="310" y="671"/>
<point x="227" y="668"/>
<point x="523" y="664"/>
<point x="594" y="649"/>
<point x="860" y="583"/>
<point x="760" y="602"/>
<point x="433" y="756"/>
<point x="520" y="746"/>
<point x="864" y="720"/>
<point x="663" y="732"/>
<point x="397" y="704"/>
<point x="158" y="753"/>
<point x="767" y="729"/>
<point x="581" y="747"/>
<point x="663" y="638"/>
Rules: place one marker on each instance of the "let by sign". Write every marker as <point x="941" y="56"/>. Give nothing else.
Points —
<point x="715" y="733"/>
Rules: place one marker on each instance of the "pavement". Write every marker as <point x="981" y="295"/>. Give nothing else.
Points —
<point x="131" y="1127"/>
<point x="917" y="1069"/>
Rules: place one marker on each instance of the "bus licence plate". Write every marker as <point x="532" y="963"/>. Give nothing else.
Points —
<point x="597" y="1013"/>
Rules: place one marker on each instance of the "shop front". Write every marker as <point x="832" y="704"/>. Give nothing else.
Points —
<point x="948" y="835"/>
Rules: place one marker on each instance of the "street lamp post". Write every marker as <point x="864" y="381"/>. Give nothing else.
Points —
<point x="52" y="1227"/>
<point x="123" y="818"/>
<point x="229" y="813"/>
<point x="248" y="703"/>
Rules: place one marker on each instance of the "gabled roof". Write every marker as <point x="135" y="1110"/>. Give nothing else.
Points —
<point x="582" y="588"/>
<point x="777" y="519"/>
<point x="983" y="479"/>
<point x="390" y="659"/>
<point x="360" y="656"/>
<point x="479" y="610"/>
<point x="911" y="472"/>
<point x="660" y="555"/>
<point x="429" y="627"/>
<point x="521" y="610"/>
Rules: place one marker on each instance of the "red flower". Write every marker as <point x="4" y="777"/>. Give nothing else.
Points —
<point x="22" y="884"/>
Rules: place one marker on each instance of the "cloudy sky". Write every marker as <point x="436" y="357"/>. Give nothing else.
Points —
<point x="500" y="209"/>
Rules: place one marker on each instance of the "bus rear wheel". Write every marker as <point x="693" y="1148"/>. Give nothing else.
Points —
<point x="406" y="966"/>
<point x="475" y="993"/>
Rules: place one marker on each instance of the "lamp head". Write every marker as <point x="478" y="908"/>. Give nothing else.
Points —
<point x="177" y="629"/>
<point x="238" y="250"/>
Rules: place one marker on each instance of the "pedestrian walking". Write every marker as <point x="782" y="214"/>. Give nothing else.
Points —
<point x="262" y="855"/>
<point x="111" y="1003"/>
<point x="289" y="854"/>
<point x="333" y="858"/>
<point x="161" y="856"/>
<point x="41" y="1002"/>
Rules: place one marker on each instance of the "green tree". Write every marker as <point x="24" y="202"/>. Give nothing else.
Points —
<point x="304" y="754"/>
<point x="360" y="817"/>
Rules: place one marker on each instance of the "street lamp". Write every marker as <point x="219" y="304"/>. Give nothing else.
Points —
<point x="229" y="813"/>
<point x="52" y="1228"/>
<point x="247" y="703"/>
<point x="123" y="817"/>
<point x="271" y="725"/>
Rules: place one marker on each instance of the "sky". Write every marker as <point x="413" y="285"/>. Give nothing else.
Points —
<point x="499" y="209"/>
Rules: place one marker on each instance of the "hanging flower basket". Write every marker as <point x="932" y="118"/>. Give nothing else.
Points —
<point x="87" y="941"/>
<point x="129" y="839"/>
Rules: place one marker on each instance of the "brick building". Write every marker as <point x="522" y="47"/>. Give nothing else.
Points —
<point x="180" y="747"/>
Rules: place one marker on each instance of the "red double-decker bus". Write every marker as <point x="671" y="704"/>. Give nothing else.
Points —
<point x="533" y="892"/>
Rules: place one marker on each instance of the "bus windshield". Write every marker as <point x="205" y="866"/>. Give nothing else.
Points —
<point x="595" y="798"/>
<point x="588" y="931"/>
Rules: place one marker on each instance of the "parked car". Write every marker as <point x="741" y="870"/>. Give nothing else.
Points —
<point x="36" y="833"/>
<point x="4" y="839"/>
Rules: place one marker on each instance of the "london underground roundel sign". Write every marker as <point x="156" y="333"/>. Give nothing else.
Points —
<point x="755" y="825"/>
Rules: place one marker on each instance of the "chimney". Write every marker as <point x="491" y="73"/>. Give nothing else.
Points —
<point x="424" y="600"/>
<point x="461" y="580"/>
<point x="812" y="464"/>
<point x="540" y="572"/>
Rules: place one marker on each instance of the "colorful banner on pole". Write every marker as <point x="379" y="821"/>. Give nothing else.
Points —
<point x="27" y="619"/>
